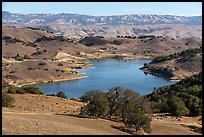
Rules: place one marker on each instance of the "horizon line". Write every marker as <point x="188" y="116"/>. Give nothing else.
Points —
<point x="107" y="15"/>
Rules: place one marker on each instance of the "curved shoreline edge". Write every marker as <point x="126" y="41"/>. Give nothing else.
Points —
<point x="53" y="81"/>
<point x="90" y="66"/>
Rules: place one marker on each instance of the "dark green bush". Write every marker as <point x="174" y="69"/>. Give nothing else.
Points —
<point x="63" y="71"/>
<point x="7" y="100"/>
<point x="137" y="120"/>
<point x="118" y="97"/>
<point x="61" y="94"/>
<point x="75" y="99"/>
<point x="188" y="92"/>
<point x="18" y="57"/>
<point x="20" y="91"/>
<point x="97" y="106"/>
<point x="177" y="106"/>
<point x="162" y="107"/>
<point x="16" y="90"/>
<point x="194" y="104"/>
<point x="88" y="96"/>
<point x="32" y="90"/>
<point x="184" y="55"/>
<point x="12" y="90"/>
<point x="50" y="95"/>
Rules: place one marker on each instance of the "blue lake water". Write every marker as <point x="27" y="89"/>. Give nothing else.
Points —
<point x="107" y="74"/>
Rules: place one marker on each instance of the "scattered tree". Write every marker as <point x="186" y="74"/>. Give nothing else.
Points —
<point x="7" y="100"/>
<point x="61" y="94"/>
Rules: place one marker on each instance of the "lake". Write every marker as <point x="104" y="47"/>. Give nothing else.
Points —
<point x="107" y="74"/>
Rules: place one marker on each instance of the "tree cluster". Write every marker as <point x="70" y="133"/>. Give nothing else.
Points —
<point x="182" y="98"/>
<point x="120" y="103"/>
<point x="23" y="90"/>
<point x="184" y="55"/>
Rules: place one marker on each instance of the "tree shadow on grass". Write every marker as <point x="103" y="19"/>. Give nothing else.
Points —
<point x="76" y="115"/>
<point x="121" y="128"/>
<point x="91" y="117"/>
<point x="112" y="119"/>
<point x="194" y="128"/>
<point x="124" y="129"/>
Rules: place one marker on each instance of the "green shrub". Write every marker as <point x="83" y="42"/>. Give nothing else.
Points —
<point x="50" y="95"/>
<point x="18" y="57"/>
<point x="23" y="90"/>
<point x="195" y="90"/>
<point x="88" y="96"/>
<point x="75" y="99"/>
<point x="63" y="71"/>
<point x="12" y="90"/>
<point x="61" y="94"/>
<point x="194" y="104"/>
<point x="162" y="107"/>
<point x="137" y="120"/>
<point x="177" y="106"/>
<point x="7" y="100"/>
<point x="32" y="90"/>
<point x="120" y="98"/>
<point x="97" y="106"/>
<point x="117" y="97"/>
<point x="20" y="91"/>
<point x="185" y="55"/>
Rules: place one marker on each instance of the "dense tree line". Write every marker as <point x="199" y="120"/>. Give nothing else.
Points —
<point x="185" y="55"/>
<point x="51" y="38"/>
<point x="9" y="39"/>
<point x="182" y="98"/>
<point x="23" y="90"/>
<point x="139" y="37"/>
<point x="93" y="40"/>
<point x="146" y="36"/>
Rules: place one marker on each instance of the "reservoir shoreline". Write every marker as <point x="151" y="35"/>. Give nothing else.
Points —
<point x="104" y="74"/>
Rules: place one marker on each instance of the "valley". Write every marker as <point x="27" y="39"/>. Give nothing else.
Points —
<point x="78" y="74"/>
<point x="45" y="57"/>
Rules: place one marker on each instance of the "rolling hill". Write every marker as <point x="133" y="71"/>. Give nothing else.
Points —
<point x="76" y="25"/>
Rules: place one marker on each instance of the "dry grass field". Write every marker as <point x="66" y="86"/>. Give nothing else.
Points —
<point x="40" y="114"/>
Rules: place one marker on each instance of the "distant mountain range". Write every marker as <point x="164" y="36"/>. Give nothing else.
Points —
<point x="77" y="19"/>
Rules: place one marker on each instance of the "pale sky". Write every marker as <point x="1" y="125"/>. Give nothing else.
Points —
<point x="106" y="8"/>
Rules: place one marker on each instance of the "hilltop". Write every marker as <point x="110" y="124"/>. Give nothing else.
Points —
<point x="176" y="31"/>
<point x="47" y="53"/>
<point x="176" y="66"/>
<point x="76" y="25"/>
<point x="32" y="55"/>
<point x="77" y="19"/>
